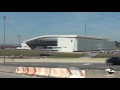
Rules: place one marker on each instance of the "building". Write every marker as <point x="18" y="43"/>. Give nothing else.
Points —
<point x="67" y="43"/>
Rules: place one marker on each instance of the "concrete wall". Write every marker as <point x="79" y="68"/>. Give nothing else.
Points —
<point x="66" y="44"/>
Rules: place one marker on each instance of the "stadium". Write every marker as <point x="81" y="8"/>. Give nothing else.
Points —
<point x="67" y="43"/>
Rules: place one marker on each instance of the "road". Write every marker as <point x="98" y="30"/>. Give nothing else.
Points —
<point x="98" y="66"/>
<point x="13" y="75"/>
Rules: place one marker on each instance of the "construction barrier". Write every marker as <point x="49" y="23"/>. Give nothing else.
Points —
<point x="19" y="70"/>
<point x="88" y="73"/>
<point x="58" y="72"/>
<point x="51" y="72"/>
<point x="24" y="70"/>
<point x="75" y="73"/>
<point x="30" y="70"/>
<point x="42" y="71"/>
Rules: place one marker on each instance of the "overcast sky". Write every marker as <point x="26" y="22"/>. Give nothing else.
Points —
<point x="32" y="24"/>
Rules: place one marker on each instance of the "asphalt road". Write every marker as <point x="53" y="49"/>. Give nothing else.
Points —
<point x="97" y="66"/>
<point x="13" y="75"/>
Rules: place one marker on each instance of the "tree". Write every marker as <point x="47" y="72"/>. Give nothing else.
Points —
<point x="1" y="47"/>
<point x="116" y="43"/>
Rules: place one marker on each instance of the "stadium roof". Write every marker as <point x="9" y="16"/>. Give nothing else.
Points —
<point x="66" y="36"/>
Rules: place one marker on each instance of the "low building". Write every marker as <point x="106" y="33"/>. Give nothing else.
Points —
<point x="68" y="43"/>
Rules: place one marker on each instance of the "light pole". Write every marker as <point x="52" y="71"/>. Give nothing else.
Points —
<point x="4" y="17"/>
<point x="19" y="43"/>
<point x="85" y="40"/>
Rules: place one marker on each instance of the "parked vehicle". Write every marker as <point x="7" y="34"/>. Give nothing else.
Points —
<point x="113" y="61"/>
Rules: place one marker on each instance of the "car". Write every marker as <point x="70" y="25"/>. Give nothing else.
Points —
<point x="113" y="61"/>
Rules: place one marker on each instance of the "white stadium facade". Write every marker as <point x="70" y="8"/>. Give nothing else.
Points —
<point x="67" y="43"/>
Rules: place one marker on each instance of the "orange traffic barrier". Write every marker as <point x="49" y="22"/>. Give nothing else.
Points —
<point x="24" y="70"/>
<point x="58" y="72"/>
<point x="19" y="70"/>
<point x="52" y="72"/>
<point x="30" y="70"/>
<point x="75" y="73"/>
<point x="42" y="71"/>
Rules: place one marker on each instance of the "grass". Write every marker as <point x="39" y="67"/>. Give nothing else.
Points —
<point x="107" y="55"/>
<point x="31" y="53"/>
<point x="37" y="53"/>
<point x="16" y="52"/>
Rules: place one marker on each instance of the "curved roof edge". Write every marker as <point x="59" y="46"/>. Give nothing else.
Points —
<point x="50" y="36"/>
<point x="66" y="36"/>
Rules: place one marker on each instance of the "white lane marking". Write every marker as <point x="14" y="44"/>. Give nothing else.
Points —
<point x="82" y="64"/>
<point x="87" y="64"/>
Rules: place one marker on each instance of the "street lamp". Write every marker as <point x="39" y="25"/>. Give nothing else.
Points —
<point x="19" y="43"/>
<point x="4" y="17"/>
<point x="85" y="40"/>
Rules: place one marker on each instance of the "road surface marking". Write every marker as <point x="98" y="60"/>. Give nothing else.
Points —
<point x="87" y="64"/>
<point x="82" y="64"/>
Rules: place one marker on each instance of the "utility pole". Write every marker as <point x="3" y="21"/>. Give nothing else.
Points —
<point x="19" y="43"/>
<point x="4" y="17"/>
<point x="85" y="40"/>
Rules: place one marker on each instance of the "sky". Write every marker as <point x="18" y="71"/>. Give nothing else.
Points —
<point x="33" y="24"/>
